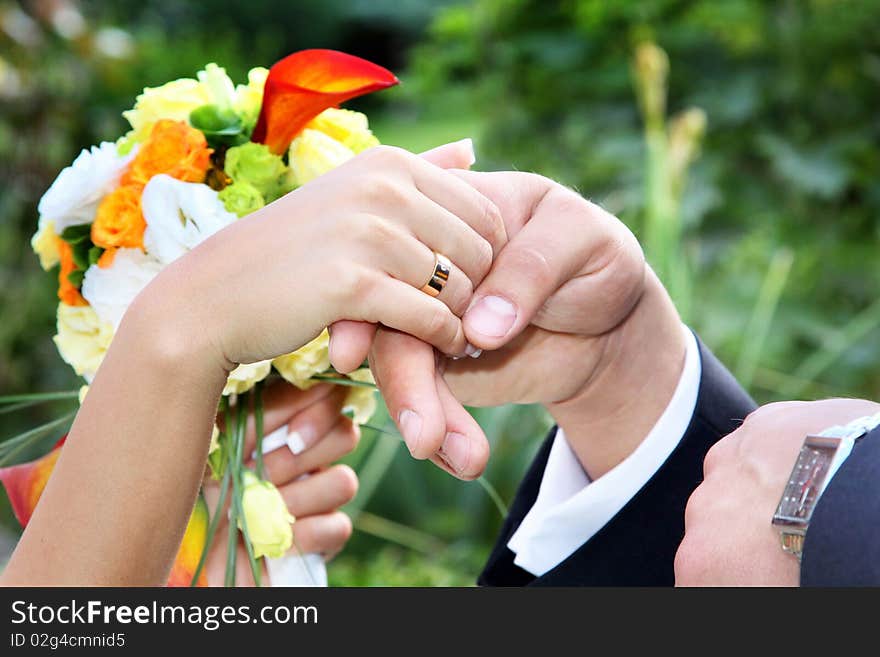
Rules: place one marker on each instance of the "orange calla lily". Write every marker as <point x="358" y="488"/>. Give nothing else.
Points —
<point x="190" y="551"/>
<point x="304" y="84"/>
<point x="24" y="483"/>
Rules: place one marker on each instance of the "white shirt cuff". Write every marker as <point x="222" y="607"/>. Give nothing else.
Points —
<point x="570" y="509"/>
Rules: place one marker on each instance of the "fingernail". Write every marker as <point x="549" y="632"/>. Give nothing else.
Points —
<point x="469" y="145"/>
<point x="295" y="442"/>
<point x="491" y="316"/>
<point x="455" y="451"/>
<point x="411" y="426"/>
<point x="308" y="435"/>
<point x="273" y="441"/>
<point x="472" y="351"/>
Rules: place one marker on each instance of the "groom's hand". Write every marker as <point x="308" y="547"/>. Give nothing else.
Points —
<point x="729" y="540"/>
<point x="565" y="309"/>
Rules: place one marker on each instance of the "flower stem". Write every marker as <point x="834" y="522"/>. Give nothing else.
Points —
<point x="38" y="397"/>
<point x="231" y="467"/>
<point x="258" y="426"/>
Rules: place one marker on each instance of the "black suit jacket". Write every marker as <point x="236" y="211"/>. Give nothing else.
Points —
<point x="637" y="547"/>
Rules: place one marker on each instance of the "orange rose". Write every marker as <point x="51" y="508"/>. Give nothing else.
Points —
<point x="119" y="221"/>
<point x="173" y="148"/>
<point x="66" y="290"/>
<point x="106" y="259"/>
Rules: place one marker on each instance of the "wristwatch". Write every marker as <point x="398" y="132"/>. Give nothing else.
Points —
<point x="818" y="460"/>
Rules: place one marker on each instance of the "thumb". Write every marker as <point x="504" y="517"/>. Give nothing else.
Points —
<point x="455" y="155"/>
<point x="349" y="340"/>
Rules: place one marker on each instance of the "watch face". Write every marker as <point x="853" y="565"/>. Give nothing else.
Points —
<point x="807" y="477"/>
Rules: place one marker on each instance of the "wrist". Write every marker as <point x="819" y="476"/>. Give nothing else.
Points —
<point x="636" y="375"/>
<point x="167" y="332"/>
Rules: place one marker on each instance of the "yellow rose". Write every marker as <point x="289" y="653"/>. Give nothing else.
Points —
<point x="243" y="377"/>
<point x="360" y="400"/>
<point x="349" y="128"/>
<point x="82" y="338"/>
<point x="267" y="517"/>
<point x="174" y="100"/>
<point x="299" y="367"/>
<point x="314" y="153"/>
<point x="83" y="391"/>
<point x="45" y="245"/>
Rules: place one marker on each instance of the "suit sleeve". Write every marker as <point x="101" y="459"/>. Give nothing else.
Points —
<point x="842" y="546"/>
<point x="637" y="547"/>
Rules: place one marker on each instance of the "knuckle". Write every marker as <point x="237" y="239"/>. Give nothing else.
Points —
<point x="385" y="191"/>
<point x="694" y="508"/>
<point x="532" y="261"/>
<point x="494" y="223"/>
<point x="381" y="233"/>
<point x="686" y="560"/>
<point x="437" y="323"/>
<point x="713" y="456"/>
<point x="388" y="156"/>
<point x="484" y="257"/>
<point x="355" y="284"/>
<point x="459" y="304"/>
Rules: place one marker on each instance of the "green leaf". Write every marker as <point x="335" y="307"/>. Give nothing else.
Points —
<point x="76" y="278"/>
<point x="80" y="252"/>
<point x="38" y="397"/>
<point x="95" y="254"/>
<point x="76" y="234"/>
<point x="220" y="126"/>
<point x="12" y="447"/>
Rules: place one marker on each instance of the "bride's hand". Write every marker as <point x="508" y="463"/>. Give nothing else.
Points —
<point x="320" y="526"/>
<point x="357" y="243"/>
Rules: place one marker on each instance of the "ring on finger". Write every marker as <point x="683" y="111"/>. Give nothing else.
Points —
<point x="442" y="269"/>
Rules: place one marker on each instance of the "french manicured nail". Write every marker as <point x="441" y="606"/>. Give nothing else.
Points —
<point x="305" y="434"/>
<point x="472" y="351"/>
<point x="295" y="442"/>
<point x="491" y="316"/>
<point x="455" y="451"/>
<point x="411" y="427"/>
<point x="469" y="144"/>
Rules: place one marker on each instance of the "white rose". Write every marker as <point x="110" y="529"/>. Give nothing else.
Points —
<point x="217" y="85"/>
<point x="74" y="196"/>
<point x="111" y="290"/>
<point x="179" y="216"/>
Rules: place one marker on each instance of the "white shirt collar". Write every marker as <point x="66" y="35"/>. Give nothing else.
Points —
<point x="570" y="509"/>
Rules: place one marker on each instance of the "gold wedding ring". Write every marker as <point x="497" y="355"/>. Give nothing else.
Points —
<point x="442" y="267"/>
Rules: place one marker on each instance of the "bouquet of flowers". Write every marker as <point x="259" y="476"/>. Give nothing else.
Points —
<point x="201" y="154"/>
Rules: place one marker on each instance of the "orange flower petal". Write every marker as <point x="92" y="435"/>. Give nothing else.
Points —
<point x="304" y="84"/>
<point x="191" y="548"/>
<point x="67" y="292"/>
<point x="24" y="483"/>
<point x="119" y="221"/>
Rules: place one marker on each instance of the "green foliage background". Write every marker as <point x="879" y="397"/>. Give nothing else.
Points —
<point x="778" y="220"/>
